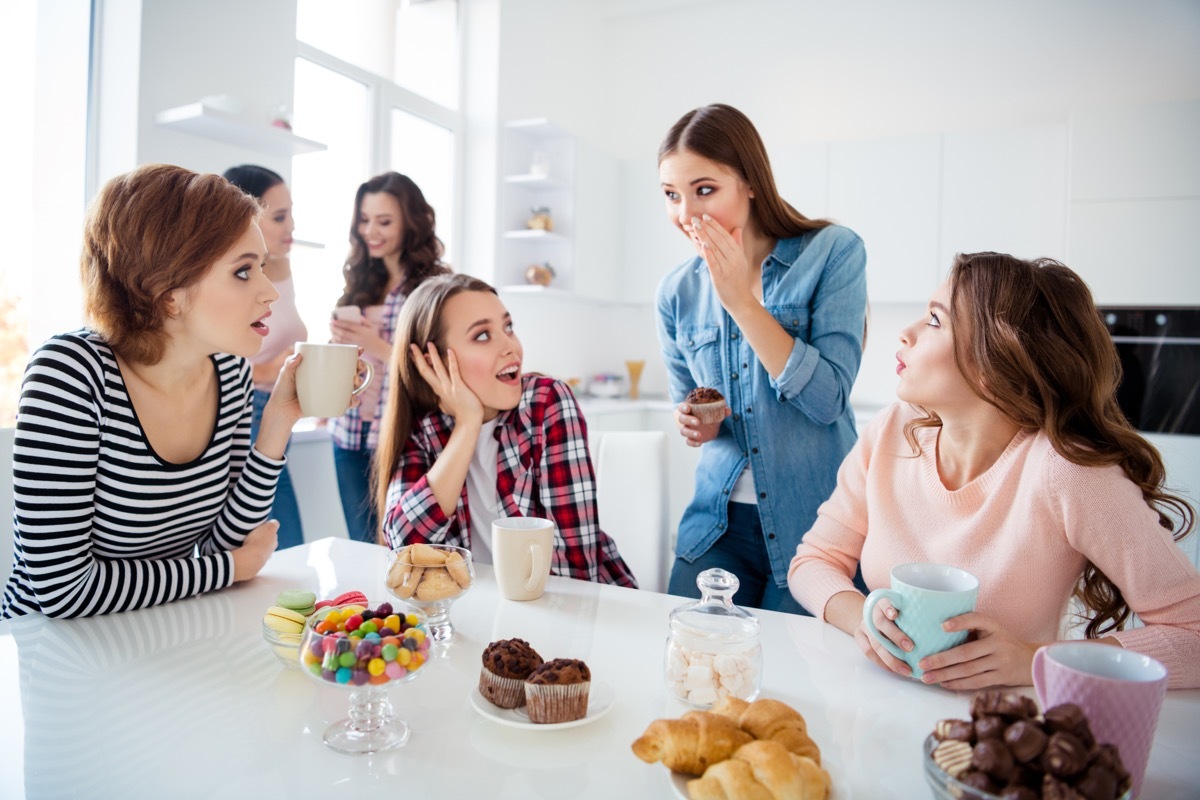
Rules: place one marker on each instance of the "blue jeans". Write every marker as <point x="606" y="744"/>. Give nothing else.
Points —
<point x="742" y="551"/>
<point x="354" y="484"/>
<point x="285" y="508"/>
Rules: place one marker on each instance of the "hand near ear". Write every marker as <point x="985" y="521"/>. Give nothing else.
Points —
<point x="455" y="398"/>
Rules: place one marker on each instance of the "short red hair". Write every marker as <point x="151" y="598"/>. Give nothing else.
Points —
<point x="148" y="232"/>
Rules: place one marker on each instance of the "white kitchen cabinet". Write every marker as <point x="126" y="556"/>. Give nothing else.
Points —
<point x="1006" y="191"/>
<point x="538" y="167"/>
<point x="889" y="192"/>
<point x="1138" y="252"/>
<point x="1135" y="200"/>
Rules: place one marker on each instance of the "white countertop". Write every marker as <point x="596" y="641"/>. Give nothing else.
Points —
<point x="186" y="700"/>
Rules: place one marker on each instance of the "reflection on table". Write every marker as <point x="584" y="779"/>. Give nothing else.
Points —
<point x="186" y="700"/>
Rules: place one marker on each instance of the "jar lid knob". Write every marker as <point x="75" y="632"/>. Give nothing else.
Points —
<point x="718" y="584"/>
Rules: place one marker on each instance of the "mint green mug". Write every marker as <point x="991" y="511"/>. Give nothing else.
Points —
<point x="926" y="595"/>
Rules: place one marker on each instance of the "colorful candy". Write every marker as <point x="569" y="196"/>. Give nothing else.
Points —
<point x="354" y="644"/>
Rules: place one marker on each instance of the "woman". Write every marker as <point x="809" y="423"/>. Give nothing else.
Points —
<point x="770" y="313"/>
<point x="287" y="328"/>
<point x="1009" y="458"/>
<point x="470" y="439"/>
<point x="393" y="248"/>
<point x="135" y="478"/>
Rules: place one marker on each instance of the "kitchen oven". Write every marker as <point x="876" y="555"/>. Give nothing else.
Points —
<point x="1160" y="392"/>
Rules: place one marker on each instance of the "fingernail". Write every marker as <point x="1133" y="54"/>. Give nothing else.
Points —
<point x="907" y="645"/>
<point x="696" y="222"/>
<point x="946" y="626"/>
<point x="707" y="218"/>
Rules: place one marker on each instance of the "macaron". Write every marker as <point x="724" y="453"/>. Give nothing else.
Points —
<point x="298" y="600"/>
<point x="350" y="597"/>
<point x="284" y="620"/>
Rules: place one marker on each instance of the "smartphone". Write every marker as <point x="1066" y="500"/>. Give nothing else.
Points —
<point x="348" y="314"/>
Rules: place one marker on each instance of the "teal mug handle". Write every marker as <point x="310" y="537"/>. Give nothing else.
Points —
<point x="1039" y="675"/>
<point x="868" y="613"/>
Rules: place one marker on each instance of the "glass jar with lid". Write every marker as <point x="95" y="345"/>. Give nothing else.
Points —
<point x="713" y="650"/>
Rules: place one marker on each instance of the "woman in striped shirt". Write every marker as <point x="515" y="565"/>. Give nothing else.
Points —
<point x="135" y="482"/>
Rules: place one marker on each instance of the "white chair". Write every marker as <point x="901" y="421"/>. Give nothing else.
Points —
<point x="631" y="494"/>
<point x="6" y="503"/>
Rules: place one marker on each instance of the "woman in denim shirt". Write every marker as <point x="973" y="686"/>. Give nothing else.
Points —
<point x="770" y="313"/>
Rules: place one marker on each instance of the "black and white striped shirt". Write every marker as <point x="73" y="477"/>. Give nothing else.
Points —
<point x="101" y="522"/>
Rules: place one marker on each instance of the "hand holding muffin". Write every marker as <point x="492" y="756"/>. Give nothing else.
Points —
<point x="700" y="415"/>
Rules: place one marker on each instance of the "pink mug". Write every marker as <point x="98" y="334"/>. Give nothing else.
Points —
<point x="1118" y="690"/>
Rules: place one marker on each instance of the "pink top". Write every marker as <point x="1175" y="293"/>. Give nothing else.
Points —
<point x="286" y="328"/>
<point x="1025" y="528"/>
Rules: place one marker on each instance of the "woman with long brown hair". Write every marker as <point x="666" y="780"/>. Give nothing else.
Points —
<point x="770" y="313"/>
<point x="393" y="248"/>
<point x="1009" y="458"/>
<point x="470" y="438"/>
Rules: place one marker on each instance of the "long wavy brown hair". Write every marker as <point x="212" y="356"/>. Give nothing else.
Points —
<point x="1030" y="341"/>
<point x="367" y="278"/>
<point x="409" y="397"/>
<point x="725" y="135"/>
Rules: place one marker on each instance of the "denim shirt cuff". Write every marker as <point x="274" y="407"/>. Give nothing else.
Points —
<point x="796" y="372"/>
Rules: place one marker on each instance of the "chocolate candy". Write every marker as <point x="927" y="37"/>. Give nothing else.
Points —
<point x="978" y="780"/>
<point x="958" y="729"/>
<point x="1018" y="793"/>
<point x="1025" y="739"/>
<point x="1069" y="718"/>
<point x="1006" y="704"/>
<point x="1098" y="783"/>
<point x="1106" y="755"/>
<point x="953" y="757"/>
<point x="1054" y="789"/>
<point x="1064" y="756"/>
<point x="992" y="757"/>
<point x="990" y="726"/>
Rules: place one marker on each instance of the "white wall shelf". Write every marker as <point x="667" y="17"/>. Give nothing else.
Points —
<point x="535" y="235"/>
<point x="532" y="181"/>
<point x="199" y="119"/>
<point x="550" y="293"/>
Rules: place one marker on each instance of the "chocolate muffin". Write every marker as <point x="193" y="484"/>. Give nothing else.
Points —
<point x="506" y="665"/>
<point x="557" y="691"/>
<point x="706" y="404"/>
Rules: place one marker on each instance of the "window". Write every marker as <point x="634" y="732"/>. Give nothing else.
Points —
<point x="378" y="83"/>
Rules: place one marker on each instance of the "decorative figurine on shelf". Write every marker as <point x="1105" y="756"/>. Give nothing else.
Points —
<point x="282" y="118"/>
<point x="540" y="219"/>
<point x="539" y="274"/>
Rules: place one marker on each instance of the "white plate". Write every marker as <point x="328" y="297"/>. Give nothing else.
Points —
<point x="679" y="784"/>
<point x="600" y="700"/>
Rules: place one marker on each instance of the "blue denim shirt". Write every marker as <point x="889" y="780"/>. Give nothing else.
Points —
<point x="794" y="430"/>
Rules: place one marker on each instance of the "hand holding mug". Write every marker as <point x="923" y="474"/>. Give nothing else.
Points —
<point x="924" y="596"/>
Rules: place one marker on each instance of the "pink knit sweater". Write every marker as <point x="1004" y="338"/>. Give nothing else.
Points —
<point x="1025" y="528"/>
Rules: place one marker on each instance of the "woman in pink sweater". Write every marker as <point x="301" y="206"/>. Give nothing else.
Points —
<point x="1008" y="458"/>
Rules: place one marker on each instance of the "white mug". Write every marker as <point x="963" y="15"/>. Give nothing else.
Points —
<point x="522" y="549"/>
<point x="325" y="378"/>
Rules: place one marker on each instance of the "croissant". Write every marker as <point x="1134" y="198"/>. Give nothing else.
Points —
<point x="691" y="743"/>
<point x="762" y="770"/>
<point x="771" y="720"/>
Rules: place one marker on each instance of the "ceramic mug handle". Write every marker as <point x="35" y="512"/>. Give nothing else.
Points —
<point x="367" y="382"/>
<point x="1039" y="675"/>
<point x="538" y="563"/>
<point x="868" y="618"/>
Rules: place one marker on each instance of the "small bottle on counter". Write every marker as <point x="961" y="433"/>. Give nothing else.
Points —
<point x="713" y="649"/>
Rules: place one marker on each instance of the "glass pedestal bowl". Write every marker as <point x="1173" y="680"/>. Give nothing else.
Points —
<point x="431" y="577"/>
<point x="365" y="653"/>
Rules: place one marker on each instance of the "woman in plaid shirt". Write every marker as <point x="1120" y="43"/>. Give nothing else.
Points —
<point x="393" y="247"/>
<point x="467" y="438"/>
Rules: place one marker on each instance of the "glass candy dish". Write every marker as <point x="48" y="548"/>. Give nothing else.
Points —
<point x="366" y="649"/>
<point x="431" y="577"/>
<point x="946" y="787"/>
<point x="285" y="646"/>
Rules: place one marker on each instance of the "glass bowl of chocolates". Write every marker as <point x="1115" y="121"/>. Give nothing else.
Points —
<point x="1009" y="751"/>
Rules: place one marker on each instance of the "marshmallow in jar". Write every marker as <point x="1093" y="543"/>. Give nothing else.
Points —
<point x="713" y="650"/>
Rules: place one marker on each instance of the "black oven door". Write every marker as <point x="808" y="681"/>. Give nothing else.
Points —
<point x="1160" y="355"/>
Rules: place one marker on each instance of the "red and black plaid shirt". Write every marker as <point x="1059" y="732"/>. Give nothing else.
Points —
<point x="543" y="470"/>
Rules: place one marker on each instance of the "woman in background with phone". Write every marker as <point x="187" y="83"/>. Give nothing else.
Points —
<point x="277" y="224"/>
<point x="393" y="248"/>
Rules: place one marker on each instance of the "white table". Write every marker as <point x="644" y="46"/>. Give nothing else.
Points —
<point x="186" y="700"/>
